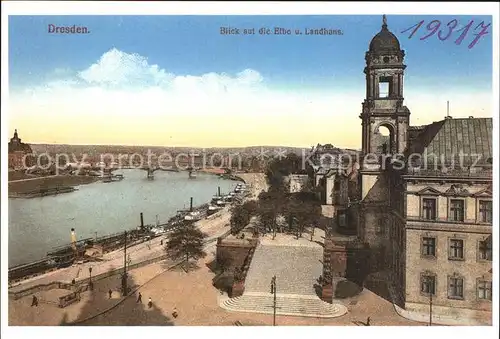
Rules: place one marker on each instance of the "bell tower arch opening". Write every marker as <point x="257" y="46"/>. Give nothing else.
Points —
<point x="384" y="139"/>
<point x="384" y="118"/>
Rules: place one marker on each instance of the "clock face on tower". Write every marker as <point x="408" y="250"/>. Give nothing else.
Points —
<point x="386" y="59"/>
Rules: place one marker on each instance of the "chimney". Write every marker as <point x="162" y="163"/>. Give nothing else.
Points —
<point x="448" y="110"/>
<point x="142" y="221"/>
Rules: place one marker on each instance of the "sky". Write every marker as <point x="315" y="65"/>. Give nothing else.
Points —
<point x="177" y="81"/>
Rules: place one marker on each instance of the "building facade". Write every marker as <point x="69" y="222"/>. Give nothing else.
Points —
<point x="334" y="178"/>
<point x="426" y="196"/>
<point x="18" y="152"/>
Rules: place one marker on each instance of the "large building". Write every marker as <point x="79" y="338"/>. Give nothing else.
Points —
<point x="333" y="174"/>
<point x="424" y="202"/>
<point x="17" y="153"/>
<point x="426" y="195"/>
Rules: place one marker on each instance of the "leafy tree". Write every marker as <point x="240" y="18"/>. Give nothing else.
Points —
<point x="302" y="210"/>
<point x="239" y="219"/>
<point x="307" y="215"/>
<point x="241" y="215"/>
<point x="271" y="204"/>
<point x="278" y="169"/>
<point x="186" y="242"/>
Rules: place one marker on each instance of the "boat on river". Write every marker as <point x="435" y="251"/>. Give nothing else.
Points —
<point x="213" y="209"/>
<point x="193" y="216"/>
<point x="113" y="178"/>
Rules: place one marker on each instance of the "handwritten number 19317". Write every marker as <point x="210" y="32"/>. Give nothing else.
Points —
<point x="444" y="34"/>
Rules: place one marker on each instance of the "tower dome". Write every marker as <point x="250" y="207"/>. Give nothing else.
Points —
<point x="385" y="40"/>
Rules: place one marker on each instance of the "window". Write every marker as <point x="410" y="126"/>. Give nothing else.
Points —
<point x="385" y="87"/>
<point x="456" y="210"/>
<point x="456" y="287"/>
<point x="428" y="284"/>
<point x="485" y="211"/>
<point x="485" y="250"/>
<point x="429" y="208"/>
<point x="342" y="219"/>
<point x="384" y="90"/>
<point x="336" y="185"/>
<point x="456" y="249"/>
<point x="484" y="290"/>
<point x="380" y="228"/>
<point x="429" y="246"/>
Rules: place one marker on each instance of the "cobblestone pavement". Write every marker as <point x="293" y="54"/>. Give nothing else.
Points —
<point x="296" y="268"/>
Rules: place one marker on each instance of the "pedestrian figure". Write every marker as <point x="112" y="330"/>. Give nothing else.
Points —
<point x="368" y="321"/>
<point x="161" y="242"/>
<point x="35" y="301"/>
<point x="139" y="298"/>
<point x="150" y="303"/>
<point x="110" y="293"/>
<point x="174" y="313"/>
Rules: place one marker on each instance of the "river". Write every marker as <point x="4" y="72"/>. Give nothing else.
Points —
<point x="37" y="225"/>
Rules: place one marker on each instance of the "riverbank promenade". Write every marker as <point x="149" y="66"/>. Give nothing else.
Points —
<point x="191" y="293"/>
<point x="194" y="297"/>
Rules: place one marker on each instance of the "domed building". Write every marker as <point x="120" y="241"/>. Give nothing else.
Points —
<point x="425" y="205"/>
<point x="384" y="41"/>
<point x="17" y="153"/>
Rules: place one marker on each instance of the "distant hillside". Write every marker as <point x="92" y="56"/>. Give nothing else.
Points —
<point x="102" y="149"/>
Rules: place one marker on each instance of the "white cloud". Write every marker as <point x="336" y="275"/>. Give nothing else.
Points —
<point x="118" y="69"/>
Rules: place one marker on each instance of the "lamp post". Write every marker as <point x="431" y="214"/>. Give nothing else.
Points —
<point x="273" y="291"/>
<point x="124" y="275"/>
<point x="91" y="285"/>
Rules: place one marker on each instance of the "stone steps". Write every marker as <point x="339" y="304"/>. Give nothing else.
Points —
<point x="292" y="305"/>
<point x="296" y="269"/>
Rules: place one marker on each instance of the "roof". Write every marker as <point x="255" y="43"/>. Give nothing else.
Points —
<point x="446" y="140"/>
<point x="385" y="40"/>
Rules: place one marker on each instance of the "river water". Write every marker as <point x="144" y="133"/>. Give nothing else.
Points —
<point x="37" y="225"/>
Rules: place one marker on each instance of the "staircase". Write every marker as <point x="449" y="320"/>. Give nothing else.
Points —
<point x="297" y="269"/>
<point x="286" y="304"/>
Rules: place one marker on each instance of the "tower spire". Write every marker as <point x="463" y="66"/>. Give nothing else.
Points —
<point x="384" y="22"/>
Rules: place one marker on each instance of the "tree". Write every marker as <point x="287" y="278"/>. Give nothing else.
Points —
<point x="239" y="219"/>
<point x="270" y="207"/>
<point x="241" y="215"/>
<point x="278" y="169"/>
<point x="301" y="210"/>
<point x="186" y="242"/>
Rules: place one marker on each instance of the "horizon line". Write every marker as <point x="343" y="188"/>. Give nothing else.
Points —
<point x="193" y="146"/>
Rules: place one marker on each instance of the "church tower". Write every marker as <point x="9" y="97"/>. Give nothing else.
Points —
<point x="385" y="122"/>
<point x="383" y="106"/>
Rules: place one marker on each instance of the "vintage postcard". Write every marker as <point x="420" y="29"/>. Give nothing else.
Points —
<point x="249" y="166"/>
